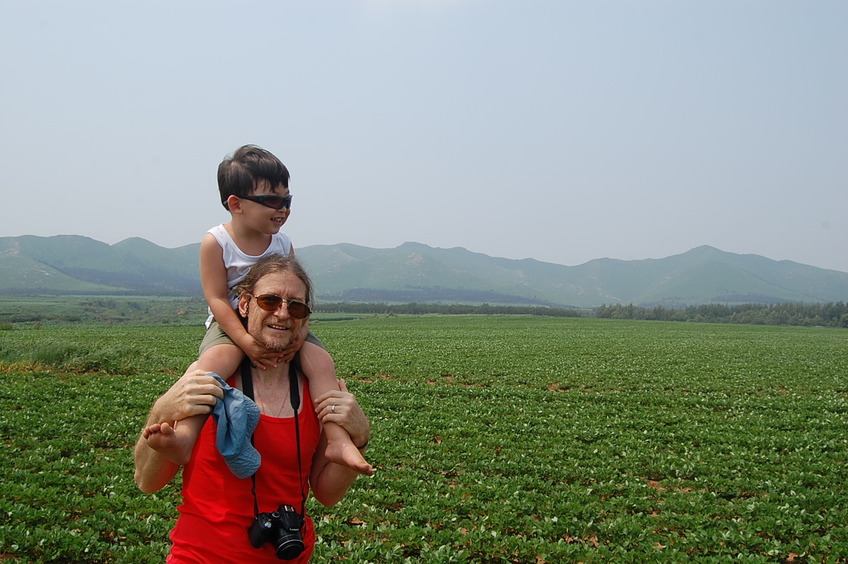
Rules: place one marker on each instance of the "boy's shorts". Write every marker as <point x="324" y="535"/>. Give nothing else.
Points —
<point x="216" y="336"/>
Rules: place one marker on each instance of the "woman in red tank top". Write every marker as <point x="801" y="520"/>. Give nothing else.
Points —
<point x="219" y="507"/>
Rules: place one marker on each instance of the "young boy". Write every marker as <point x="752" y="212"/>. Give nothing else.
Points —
<point x="253" y="184"/>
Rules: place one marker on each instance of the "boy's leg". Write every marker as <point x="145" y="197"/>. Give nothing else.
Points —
<point x="222" y="359"/>
<point x="218" y="353"/>
<point x="320" y="370"/>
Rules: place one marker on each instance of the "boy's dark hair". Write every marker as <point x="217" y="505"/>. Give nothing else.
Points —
<point x="238" y="173"/>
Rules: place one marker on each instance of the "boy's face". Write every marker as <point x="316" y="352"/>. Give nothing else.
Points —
<point x="265" y="218"/>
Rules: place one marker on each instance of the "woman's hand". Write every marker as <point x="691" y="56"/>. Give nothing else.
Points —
<point x="340" y="407"/>
<point x="195" y="393"/>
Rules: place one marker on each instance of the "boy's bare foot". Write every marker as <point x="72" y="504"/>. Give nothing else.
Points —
<point x="346" y="454"/>
<point x="163" y="438"/>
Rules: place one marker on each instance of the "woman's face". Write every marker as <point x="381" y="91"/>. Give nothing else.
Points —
<point x="274" y="329"/>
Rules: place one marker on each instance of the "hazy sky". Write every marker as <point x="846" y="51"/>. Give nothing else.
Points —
<point x="558" y="130"/>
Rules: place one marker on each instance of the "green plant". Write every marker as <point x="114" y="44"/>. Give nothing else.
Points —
<point x="497" y="439"/>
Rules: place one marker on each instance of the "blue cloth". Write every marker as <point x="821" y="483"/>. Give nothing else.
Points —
<point x="236" y="416"/>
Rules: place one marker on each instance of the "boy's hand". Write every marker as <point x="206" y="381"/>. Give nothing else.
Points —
<point x="260" y="356"/>
<point x="264" y="358"/>
<point x="288" y="353"/>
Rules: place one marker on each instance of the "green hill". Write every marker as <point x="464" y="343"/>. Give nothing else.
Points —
<point x="703" y="275"/>
<point x="70" y="264"/>
<point x="414" y="272"/>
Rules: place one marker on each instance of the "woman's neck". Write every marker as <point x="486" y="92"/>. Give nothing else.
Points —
<point x="269" y="376"/>
<point x="272" y="390"/>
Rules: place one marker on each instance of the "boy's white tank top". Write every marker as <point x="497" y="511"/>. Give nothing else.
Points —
<point x="238" y="263"/>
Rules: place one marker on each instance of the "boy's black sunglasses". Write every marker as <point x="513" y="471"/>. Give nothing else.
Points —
<point x="276" y="202"/>
<point x="272" y="302"/>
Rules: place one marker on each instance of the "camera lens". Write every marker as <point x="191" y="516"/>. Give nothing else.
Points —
<point x="289" y="546"/>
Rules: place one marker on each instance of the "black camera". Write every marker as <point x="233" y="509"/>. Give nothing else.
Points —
<point x="283" y="528"/>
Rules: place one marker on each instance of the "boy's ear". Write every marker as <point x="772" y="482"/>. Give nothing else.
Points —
<point x="234" y="204"/>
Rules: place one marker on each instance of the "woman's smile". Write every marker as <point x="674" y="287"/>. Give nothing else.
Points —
<point x="279" y="326"/>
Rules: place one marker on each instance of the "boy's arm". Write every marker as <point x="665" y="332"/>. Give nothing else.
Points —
<point x="213" y="276"/>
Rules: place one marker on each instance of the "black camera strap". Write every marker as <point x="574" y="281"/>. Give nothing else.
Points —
<point x="294" y="391"/>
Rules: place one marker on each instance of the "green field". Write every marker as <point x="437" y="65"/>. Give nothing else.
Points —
<point x="497" y="439"/>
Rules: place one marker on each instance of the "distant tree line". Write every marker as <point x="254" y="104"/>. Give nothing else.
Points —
<point x="822" y="315"/>
<point x="448" y="309"/>
<point x="416" y="295"/>
<point x="192" y="311"/>
<point x="819" y="315"/>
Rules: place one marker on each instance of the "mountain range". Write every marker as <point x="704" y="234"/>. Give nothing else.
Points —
<point x="414" y="272"/>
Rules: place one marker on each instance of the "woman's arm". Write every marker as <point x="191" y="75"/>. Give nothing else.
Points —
<point x="152" y="470"/>
<point x="192" y="395"/>
<point x="330" y="481"/>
